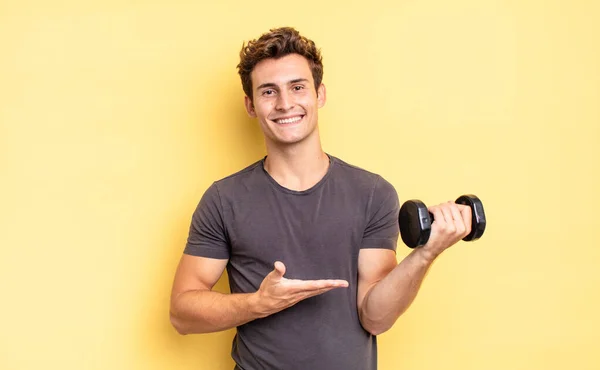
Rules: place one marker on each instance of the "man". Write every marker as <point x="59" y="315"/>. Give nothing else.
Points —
<point x="308" y="240"/>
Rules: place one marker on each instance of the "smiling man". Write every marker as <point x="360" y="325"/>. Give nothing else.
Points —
<point x="307" y="239"/>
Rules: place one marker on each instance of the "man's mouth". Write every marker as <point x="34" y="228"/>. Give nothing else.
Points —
<point x="289" y="120"/>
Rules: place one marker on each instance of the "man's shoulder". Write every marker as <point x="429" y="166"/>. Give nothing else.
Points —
<point x="353" y="169"/>
<point x="242" y="178"/>
<point x="244" y="172"/>
<point x="357" y="176"/>
<point x="356" y="172"/>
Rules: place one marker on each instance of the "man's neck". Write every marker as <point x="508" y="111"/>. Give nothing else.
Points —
<point x="297" y="167"/>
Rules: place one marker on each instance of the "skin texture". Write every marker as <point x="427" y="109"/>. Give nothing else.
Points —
<point x="283" y="89"/>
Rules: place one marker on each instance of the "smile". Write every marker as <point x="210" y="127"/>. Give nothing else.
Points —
<point x="284" y="121"/>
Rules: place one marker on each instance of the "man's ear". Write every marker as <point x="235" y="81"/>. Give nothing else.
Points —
<point x="249" y="106"/>
<point x="321" y="95"/>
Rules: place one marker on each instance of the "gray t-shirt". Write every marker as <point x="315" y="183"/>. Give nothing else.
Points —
<point x="251" y="220"/>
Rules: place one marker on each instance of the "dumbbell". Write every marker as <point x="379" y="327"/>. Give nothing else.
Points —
<point x="415" y="220"/>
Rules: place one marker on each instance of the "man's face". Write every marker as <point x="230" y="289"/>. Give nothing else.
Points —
<point x="285" y="100"/>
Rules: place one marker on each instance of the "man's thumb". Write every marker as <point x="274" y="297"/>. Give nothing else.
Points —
<point x="279" y="270"/>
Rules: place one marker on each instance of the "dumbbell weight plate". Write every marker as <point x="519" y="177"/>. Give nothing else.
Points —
<point x="415" y="223"/>
<point x="478" y="222"/>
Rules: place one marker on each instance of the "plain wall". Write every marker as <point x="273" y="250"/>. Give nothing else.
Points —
<point x="116" y="116"/>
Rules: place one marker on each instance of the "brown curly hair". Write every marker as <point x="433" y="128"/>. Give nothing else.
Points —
<point x="277" y="43"/>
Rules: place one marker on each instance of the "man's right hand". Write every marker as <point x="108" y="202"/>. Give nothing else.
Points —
<point x="277" y="293"/>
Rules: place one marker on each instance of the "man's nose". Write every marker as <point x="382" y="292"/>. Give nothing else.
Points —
<point x="284" y="101"/>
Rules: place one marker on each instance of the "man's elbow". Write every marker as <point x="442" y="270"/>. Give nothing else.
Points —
<point x="375" y="326"/>
<point x="375" y="330"/>
<point x="178" y="324"/>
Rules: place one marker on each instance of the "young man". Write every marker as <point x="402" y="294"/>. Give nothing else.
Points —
<point x="308" y="240"/>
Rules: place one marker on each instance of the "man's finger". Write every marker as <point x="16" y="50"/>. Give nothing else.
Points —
<point x="316" y="292"/>
<point x="465" y="212"/>
<point x="458" y="219"/>
<point x="450" y="226"/>
<point x="313" y="285"/>
<point x="279" y="270"/>
<point x="438" y="216"/>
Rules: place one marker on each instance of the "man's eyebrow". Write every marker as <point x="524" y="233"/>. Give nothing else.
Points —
<point x="272" y="85"/>
<point x="298" y="80"/>
<point x="268" y="84"/>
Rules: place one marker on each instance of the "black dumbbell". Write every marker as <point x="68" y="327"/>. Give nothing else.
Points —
<point x="415" y="220"/>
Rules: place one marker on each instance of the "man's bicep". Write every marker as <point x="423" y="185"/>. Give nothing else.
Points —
<point x="373" y="265"/>
<point x="197" y="273"/>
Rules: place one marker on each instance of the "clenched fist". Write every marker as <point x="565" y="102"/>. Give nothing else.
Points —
<point x="452" y="222"/>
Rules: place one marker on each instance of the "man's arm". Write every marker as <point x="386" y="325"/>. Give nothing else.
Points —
<point x="195" y="308"/>
<point x="386" y="290"/>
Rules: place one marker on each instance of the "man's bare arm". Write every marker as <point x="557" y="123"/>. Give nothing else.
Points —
<point x="386" y="289"/>
<point x="386" y="293"/>
<point x="195" y="308"/>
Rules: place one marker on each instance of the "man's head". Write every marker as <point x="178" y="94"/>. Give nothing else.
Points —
<point x="281" y="75"/>
<point x="275" y="44"/>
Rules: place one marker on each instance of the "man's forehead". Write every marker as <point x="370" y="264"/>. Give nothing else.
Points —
<point x="281" y="71"/>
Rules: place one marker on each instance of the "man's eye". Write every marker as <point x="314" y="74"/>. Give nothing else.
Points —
<point x="298" y="87"/>
<point x="268" y="92"/>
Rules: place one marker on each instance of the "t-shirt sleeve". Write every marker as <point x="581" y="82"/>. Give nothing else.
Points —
<point x="207" y="234"/>
<point x="382" y="229"/>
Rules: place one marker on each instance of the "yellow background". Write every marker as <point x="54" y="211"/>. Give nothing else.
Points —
<point x="116" y="116"/>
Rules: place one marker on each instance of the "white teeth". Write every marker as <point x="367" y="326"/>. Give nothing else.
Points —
<point x="289" y="120"/>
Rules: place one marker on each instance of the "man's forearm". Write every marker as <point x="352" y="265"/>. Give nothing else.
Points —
<point x="205" y="311"/>
<point x="392" y="295"/>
